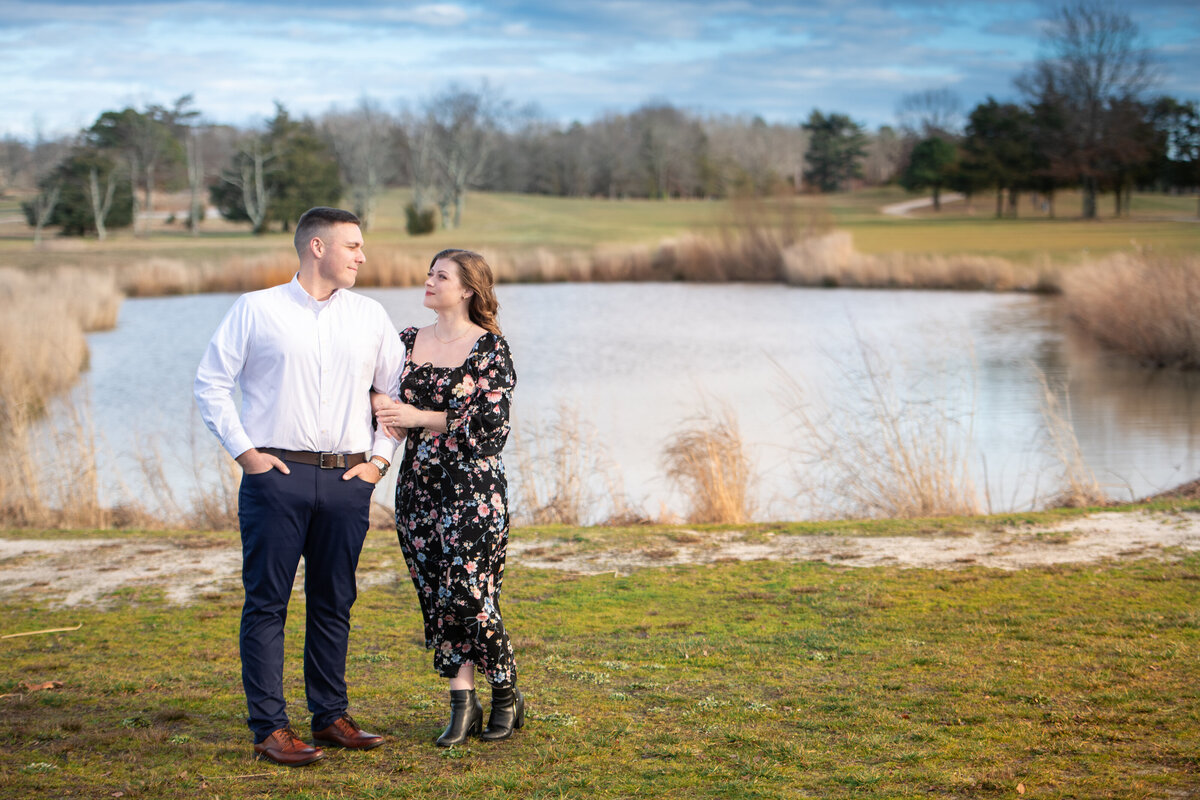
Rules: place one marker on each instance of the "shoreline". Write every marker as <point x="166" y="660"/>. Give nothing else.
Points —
<point x="94" y="569"/>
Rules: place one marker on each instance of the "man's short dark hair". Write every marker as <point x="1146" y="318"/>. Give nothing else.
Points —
<point x="317" y="220"/>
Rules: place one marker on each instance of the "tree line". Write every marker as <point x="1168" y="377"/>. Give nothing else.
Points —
<point x="1086" y="120"/>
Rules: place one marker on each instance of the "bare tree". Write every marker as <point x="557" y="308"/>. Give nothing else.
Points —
<point x="206" y="145"/>
<point x="195" y="173"/>
<point x="249" y="174"/>
<point x="1095" y="63"/>
<point x="43" y="159"/>
<point x="101" y="199"/>
<point x="145" y="140"/>
<point x="464" y="125"/>
<point x="416" y="148"/>
<point x="364" y="141"/>
<point x="614" y="150"/>
<point x="932" y="112"/>
<point x="885" y="156"/>
<point x="15" y="163"/>
<point x="42" y="206"/>
<point x="670" y="146"/>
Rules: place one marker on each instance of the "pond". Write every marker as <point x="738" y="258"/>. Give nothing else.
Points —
<point x="632" y="363"/>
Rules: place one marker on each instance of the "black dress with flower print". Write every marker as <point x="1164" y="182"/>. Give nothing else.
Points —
<point x="452" y="506"/>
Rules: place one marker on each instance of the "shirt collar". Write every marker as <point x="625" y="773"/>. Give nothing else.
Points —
<point x="297" y="293"/>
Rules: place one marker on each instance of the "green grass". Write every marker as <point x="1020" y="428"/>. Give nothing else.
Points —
<point x="509" y="222"/>
<point x="748" y="680"/>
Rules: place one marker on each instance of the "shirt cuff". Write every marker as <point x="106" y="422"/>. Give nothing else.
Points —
<point x="238" y="443"/>
<point x="384" y="448"/>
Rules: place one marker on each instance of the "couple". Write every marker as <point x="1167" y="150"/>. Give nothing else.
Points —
<point x="313" y="361"/>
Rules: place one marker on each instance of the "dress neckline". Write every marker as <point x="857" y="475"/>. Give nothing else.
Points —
<point x="408" y="355"/>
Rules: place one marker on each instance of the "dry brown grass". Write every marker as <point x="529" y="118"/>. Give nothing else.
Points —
<point x="881" y="454"/>
<point x="707" y="461"/>
<point x="165" y="276"/>
<point x="214" y="505"/>
<point x="1142" y="305"/>
<point x="42" y="350"/>
<point x="760" y="243"/>
<point x="560" y="474"/>
<point x="830" y="260"/>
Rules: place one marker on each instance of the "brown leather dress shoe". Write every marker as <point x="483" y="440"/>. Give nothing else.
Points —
<point x="285" y="747"/>
<point x="345" y="732"/>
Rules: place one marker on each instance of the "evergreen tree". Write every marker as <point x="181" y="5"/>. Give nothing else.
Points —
<point x="932" y="165"/>
<point x="835" y="151"/>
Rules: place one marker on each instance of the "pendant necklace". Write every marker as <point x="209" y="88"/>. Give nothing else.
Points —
<point x="448" y="341"/>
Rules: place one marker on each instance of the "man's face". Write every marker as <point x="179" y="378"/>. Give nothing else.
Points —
<point x="343" y="255"/>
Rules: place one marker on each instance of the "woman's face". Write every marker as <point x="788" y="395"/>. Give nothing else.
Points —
<point x="443" y="287"/>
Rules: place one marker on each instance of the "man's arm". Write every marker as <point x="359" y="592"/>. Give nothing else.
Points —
<point x="389" y="361"/>
<point x="218" y="373"/>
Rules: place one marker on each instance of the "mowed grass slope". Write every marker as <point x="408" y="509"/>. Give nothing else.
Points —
<point x="749" y="680"/>
<point x="519" y="223"/>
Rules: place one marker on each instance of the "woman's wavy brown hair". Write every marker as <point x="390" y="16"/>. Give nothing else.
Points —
<point x="476" y="275"/>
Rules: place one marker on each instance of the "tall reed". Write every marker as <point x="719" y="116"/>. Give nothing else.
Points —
<point x="880" y="453"/>
<point x="830" y="260"/>
<point x="1142" y="305"/>
<point x="751" y="248"/>
<point x="42" y="350"/>
<point x="561" y="474"/>
<point x="1078" y="487"/>
<point x="707" y="461"/>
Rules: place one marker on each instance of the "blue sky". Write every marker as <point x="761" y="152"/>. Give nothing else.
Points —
<point x="63" y="62"/>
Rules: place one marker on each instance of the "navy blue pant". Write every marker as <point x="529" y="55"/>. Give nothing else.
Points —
<point x="314" y="514"/>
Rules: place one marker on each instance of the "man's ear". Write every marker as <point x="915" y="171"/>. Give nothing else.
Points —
<point x="316" y="246"/>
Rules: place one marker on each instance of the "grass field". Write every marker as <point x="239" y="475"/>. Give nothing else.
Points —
<point x="518" y="223"/>
<point x="740" y="680"/>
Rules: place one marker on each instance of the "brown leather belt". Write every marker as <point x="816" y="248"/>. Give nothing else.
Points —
<point x="322" y="460"/>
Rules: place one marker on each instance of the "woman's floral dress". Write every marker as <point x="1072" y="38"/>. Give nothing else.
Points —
<point x="452" y="506"/>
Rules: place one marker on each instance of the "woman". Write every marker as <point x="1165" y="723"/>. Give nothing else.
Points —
<point x="451" y="494"/>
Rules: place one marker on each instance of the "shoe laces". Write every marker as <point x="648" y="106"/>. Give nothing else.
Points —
<point x="349" y="720"/>
<point x="290" y="736"/>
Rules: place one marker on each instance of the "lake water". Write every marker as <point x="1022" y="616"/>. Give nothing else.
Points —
<point x="634" y="361"/>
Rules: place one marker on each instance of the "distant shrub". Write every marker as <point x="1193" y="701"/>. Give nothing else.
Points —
<point x="419" y="221"/>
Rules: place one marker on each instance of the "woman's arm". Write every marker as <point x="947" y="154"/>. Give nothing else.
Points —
<point x="403" y="415"/>
<point x="386" y="409"/>
<point x="480" y="420"/>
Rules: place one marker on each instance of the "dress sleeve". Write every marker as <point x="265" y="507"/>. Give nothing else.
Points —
<point x="478" y="413"/>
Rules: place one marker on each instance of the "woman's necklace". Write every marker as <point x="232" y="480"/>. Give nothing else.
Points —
<point x="449" y="341"/>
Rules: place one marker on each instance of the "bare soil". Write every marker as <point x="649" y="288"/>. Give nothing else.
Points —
<point x="88" y="571"/>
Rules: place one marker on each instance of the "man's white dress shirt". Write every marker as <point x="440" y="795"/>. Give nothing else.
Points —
<point x="305" y="368"/>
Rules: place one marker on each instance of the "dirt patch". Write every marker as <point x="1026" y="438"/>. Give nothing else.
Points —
<point x="88" y="571"/>
<point x="1095" y="538"/>
<point x="71" y="572"/>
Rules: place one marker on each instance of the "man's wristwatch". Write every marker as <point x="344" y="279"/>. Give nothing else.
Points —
<point x="381" y="464"/>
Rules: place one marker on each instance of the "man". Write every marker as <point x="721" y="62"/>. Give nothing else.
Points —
<point x="305" y="355"/>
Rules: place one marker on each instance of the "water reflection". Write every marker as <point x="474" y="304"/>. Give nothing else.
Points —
<point x="636" y="359"/>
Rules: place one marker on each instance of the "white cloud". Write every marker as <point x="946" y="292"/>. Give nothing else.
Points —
<point x="66" y="59"/>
